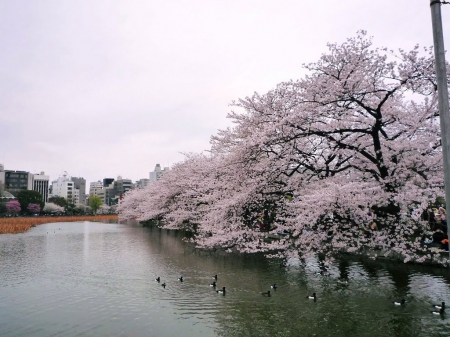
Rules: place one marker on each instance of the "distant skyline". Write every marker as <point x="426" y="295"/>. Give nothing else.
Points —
<point x="103" y="88"/>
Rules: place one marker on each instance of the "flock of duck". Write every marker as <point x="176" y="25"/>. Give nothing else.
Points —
<point x="441" y="307"/>
<point x="220" y="291"/>
<point x="180" y="279"/>
<point x="274" y="286"/>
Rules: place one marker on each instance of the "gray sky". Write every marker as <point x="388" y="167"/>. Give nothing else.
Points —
<point x="107" y="88"/>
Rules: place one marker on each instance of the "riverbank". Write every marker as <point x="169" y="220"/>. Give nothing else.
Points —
<point x="20" y="224"/>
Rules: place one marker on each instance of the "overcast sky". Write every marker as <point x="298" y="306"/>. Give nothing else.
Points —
<point x="107" y="88"/>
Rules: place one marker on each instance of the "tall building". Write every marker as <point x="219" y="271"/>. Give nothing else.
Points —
<point x="80" y="185"/>
<point x="102" y="194"/>
<point x="123" y="185"/>
<point x="110" y="190"/>
<point x="95" y="185"/>
<point x="40" y="184"/>
<point x="96" y="188"/>
<point x="107" y="181"/>
<point x="111" y="194"/>
<point x="65" y="187"/>
<point x="157" y="173"/>
<point x="115" y="191"/>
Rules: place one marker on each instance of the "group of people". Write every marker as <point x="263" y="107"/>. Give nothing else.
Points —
<point x="438" y="223"/>
<point x="263" y="227"/>
<point x="437" y="219"/>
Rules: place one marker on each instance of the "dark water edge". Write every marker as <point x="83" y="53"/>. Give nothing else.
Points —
<point x="392" y="259"/>
<point x="94" y="279"/>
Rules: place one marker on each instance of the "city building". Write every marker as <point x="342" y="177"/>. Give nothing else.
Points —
<point x="157" y="173"/>
<point x="102" y="194"/>
<point x="15" y="181"/>
<point x="115" y="191"/>
<point x="65" y="187"/>
<point x="107" y="181"/>
<point x="111" y="195"/>
<point x="80" y="185"/>
<point x="94" y="186"/>
<point x="41" y="185"/>
<point x="141" y="183"/>
<point x="123" y="185"/>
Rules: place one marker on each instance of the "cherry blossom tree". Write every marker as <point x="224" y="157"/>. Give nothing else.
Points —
<point x="13" y="206"/>
<point x="178" y="197"/>
<point x="53" y="208"/>
<point x="34" y="208"/>
<point x="322" y="158"/>
<point x="103" y="209"/>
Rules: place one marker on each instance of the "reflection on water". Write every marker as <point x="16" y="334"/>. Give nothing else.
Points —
<point x="94" y="279"/>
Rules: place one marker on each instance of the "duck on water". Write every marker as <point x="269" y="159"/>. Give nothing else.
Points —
<point x="222" y="291"/>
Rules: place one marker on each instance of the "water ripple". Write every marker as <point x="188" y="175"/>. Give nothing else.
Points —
<point x="98" y="279"/>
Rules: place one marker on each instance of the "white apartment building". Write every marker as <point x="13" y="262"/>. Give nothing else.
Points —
<point x="157" y="173"/>
<point x="65" y="187"/>
<point x="95" y="185"/>
<point x="98" y="183"/>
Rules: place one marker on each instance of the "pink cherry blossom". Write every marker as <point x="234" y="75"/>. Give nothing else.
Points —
<point x="34" y="208"/>
<point x="13" y="206"/>
<point x="321" y="158"/>
<point x="51" y="207"/>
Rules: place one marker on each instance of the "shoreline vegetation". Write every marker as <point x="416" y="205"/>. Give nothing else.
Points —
<point x="17" y="225"/>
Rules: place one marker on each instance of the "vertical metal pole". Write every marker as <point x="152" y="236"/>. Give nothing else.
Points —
<point x="441" y="73"/>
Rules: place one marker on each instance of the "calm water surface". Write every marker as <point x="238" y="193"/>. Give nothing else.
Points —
<point x="95" y="279"/>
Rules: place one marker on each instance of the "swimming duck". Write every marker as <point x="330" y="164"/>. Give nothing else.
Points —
<point x="442" y="306"/>
<point x="163" y="284"/>
<point x="267" y="293"/>
<point x="180" y="279"/>
<point x="312" y="297"/>
<point x="157" y="279"/>
<point x="215" y="277"/>
<point x="440" y="312"/>
<point x="213" y="284"/>
<point x="402" y="302"/>
<point x="221" y="291"/>
<point x="274" y="286"/>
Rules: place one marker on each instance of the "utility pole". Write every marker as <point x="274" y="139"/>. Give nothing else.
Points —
<point x="442" y="86"/>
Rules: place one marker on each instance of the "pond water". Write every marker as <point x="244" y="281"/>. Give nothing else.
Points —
<point x="98" y="279"/>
